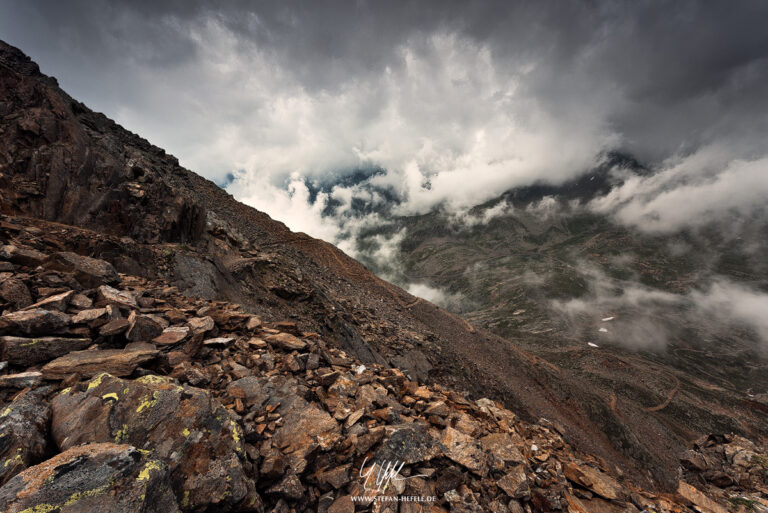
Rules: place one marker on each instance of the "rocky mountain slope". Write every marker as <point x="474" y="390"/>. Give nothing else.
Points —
<point x="167" y="347"/>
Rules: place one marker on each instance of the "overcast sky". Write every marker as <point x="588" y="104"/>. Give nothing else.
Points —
<point x="458" y="101"/>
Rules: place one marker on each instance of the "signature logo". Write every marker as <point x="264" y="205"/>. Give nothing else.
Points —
<point x="378" y="476"/>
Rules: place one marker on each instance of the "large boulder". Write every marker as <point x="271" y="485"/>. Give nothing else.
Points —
<point x="90" y="272"/>
<point x="93" y="478"/>
<point x="23" y="430"/>
<point x="182" y="426"/>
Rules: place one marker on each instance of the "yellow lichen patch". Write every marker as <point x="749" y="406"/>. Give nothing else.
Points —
<point x="88" y="493"/>
<point x="65" y="391"/>
<point x="97" y="380"/>
<point x="185" y="432"/>
<point x="152" y="379"/>
<point x="5" y="412"/>
<point x="146" y="402"/>
<point x="149" y="467"/>
<point x="31" y="343"/>
<point x="185" y="500"/>
<point x="126" y="390"/>
<point x="40" y="508"/>
<point x="16" y="460"/>
<point x="235" y="431"/>
<point x="110" y="395"/>
<point x="121" y="433"/>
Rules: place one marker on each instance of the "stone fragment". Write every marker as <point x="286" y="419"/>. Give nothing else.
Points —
<point x="100" y="477"/>
<point x="699" y="498"/>
<point x="343" y="504"/>
<point x="113" y="327"/>
<point x="23" y="425"/>
<point x="501" y="445"/>
<point x="464" y="450"/>
<point x="172" y="335"/>
<point x="201" y="324"/>
<point x="89" y="315"/>
<point x="593" y="479"/>
<point x="182" y="426"/>
<point x="250" y="388"/>
<point x="515" y="483"/>
<point x="110" y="295"/>
<point x="286" y="341"/>
<point x="14" y="291"/>
<point x="253" y="323"/>
<point x="289" y="487"/>
<point x="34" y="322"/>
<point x="58" y="302"/>
<point x="142" y="328"/>
<point x="408" y="443"/>
<point x="21" y="380"/>
<point x="92" y="362"/>
<point x="81" y="301"/>
<point x="29" y="351"/>
<point x="218" y="341"/>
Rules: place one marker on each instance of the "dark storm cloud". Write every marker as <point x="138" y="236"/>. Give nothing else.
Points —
<point x="470" y="97"/>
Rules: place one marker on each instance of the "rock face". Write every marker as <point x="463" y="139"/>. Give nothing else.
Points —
<point x="105" y="478"/>
<point x="23" y="426"/>
<point x="180" y="425"/>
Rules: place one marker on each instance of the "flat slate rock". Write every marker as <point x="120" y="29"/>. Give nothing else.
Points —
<point x="89" y="363"/>
<point x="34" y="322"/>
<point x="29" y="351"/>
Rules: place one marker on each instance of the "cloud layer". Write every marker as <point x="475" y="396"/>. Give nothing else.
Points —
<point x="456" y="101"/>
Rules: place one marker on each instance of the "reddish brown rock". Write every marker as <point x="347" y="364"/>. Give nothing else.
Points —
<point x="515" y="483"/>
<point x="29" y="351"/>
<point x="172" y="335"/>
<point x="286" y="341"/>
<point x="142" y="328"/>
<point x="90" y="363"/>
<point x="464" y="450"/>
<point x="502" y="446"/>
<point x="593" y="479"/>
<point x="93" y="478"/>
<point x="201" y="324"/>
<point x="113" y="327"/>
